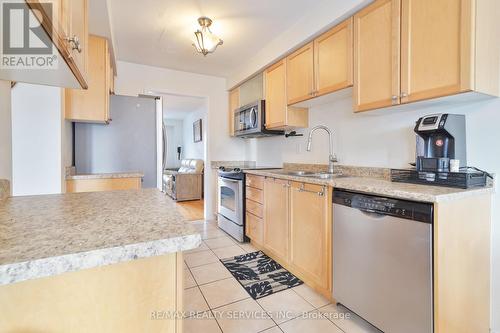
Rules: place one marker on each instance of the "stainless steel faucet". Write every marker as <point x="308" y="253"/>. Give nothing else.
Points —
<point x="331" y="157"/>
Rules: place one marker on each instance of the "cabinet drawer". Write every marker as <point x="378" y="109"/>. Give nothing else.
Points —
<point x="255" y="194"/>
<point x="255" y="208"/>
<point x="255" y="181"/>
<point x="255" y="228"/>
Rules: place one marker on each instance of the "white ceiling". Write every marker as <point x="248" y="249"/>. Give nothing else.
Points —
<point x="159" y="32"/>
<point x="99" y="24"/>
<point x="178" y="107"/>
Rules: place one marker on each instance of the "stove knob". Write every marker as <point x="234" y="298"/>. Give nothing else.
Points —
<point x="237" y="170"/>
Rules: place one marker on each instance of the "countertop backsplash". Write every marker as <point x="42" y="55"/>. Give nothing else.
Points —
<point x="347" y="170"/>
<point x="70" y="171"/>
<point x="4" y="189"/>
<point x="232" y="164"/>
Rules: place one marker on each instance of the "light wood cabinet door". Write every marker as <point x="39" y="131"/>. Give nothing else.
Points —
<point x="234" y="103"/>
<point x="92" y="105"/>
<point x="436" y="44"/>
<point x="275" y="82"/>
<point x="300" y="74"/>
<point x="78" y="29"/>
<point x="377" y="55"/>
<point x="276" y="212"/>
<point x="311" y="234"/>
<point x="333" y="59"/>
<point x="254" y="228"/>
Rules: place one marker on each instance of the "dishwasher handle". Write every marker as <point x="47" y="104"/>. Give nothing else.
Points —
<point x="372" y="213"/>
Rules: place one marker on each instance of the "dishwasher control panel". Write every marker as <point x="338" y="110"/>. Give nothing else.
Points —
<point x="418" y="211"/>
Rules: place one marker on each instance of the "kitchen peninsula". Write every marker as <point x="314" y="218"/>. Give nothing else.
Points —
<point x="81" y="262"/>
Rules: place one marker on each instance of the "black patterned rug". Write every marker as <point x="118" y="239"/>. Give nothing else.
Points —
<point x="260" y="275"/>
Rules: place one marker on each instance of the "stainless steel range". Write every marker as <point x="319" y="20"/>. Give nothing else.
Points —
<point x="231" y="201"/>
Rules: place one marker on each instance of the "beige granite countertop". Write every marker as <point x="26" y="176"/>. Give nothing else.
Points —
<point x="113" y="175"/>
<point x="52" y="234"/>
<point x="383" y="187"/>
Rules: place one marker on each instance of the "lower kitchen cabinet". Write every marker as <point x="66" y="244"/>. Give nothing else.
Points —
<point x="255" y="228"/>
<point x="276" y="218"/>
<point x="296" y="229"/>
<point x="310" y="255"/>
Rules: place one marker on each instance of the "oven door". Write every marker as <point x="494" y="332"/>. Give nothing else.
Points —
<point x="230" y="203"/>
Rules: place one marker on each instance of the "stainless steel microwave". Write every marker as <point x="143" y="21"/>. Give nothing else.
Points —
<point x="249" y="121"/>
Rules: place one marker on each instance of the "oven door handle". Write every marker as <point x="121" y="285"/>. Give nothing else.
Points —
<point x="230" y="180"/>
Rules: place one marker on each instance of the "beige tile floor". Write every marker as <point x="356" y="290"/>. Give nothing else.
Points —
<point x="215" y="302"/>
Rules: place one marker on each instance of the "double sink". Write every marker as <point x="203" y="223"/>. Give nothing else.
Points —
<point x="309" y="174"/>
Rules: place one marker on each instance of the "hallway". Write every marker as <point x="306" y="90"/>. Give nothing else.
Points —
<point x="192" y="210"/>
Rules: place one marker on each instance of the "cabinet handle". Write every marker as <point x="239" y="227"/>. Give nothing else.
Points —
<point x="75" y="43"/>
<point x="303" y="189"/>
<point x="404" y="95"/>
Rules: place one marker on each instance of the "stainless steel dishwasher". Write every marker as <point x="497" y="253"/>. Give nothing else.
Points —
<point x="382" y="261"/>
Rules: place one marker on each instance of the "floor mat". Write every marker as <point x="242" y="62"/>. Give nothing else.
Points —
<point x="260" y="275"/>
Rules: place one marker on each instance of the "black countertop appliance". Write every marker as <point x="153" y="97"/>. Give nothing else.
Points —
<point x="440" y="138"/>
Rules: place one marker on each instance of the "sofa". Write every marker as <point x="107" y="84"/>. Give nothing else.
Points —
<point x="185" y="183"/>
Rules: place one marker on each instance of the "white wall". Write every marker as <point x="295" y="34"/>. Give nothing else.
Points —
<point x="175" y="138"/>
<point x="385" y="138"/>
<point x="194" y="149"/>
<point x="5" y="131"/>
<point x="36" y="140"/>
<point x="319" y="17"/>
<point x="136" y="79"/>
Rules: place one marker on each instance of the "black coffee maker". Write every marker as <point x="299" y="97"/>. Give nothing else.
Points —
<point x="440" y="138"/>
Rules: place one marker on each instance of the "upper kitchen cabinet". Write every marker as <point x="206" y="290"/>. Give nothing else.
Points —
<point x="234" y="103"/>
<point x="322" y="66"/>
<point x="413" y="50"/>
<point x="248" y="92"/>
<point x="278" y="114"/>
<point x="92" y="105"/>
<point x="63" y="31"/>
<point x="77" y="31"/>
<point x="333" y="59"/>
<point x="436" y="48"/>
<point x="252" y="90"/>
<point x="376" y="55"/>
<point x="300" y="74"/>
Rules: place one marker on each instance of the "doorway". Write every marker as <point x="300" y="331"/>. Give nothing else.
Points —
<point x="184" y="121"/>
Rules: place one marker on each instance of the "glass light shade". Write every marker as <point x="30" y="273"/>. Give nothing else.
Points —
<point x="205" y="41"/>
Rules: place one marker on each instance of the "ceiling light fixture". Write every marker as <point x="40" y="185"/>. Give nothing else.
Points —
<point x="206" y="42"/>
